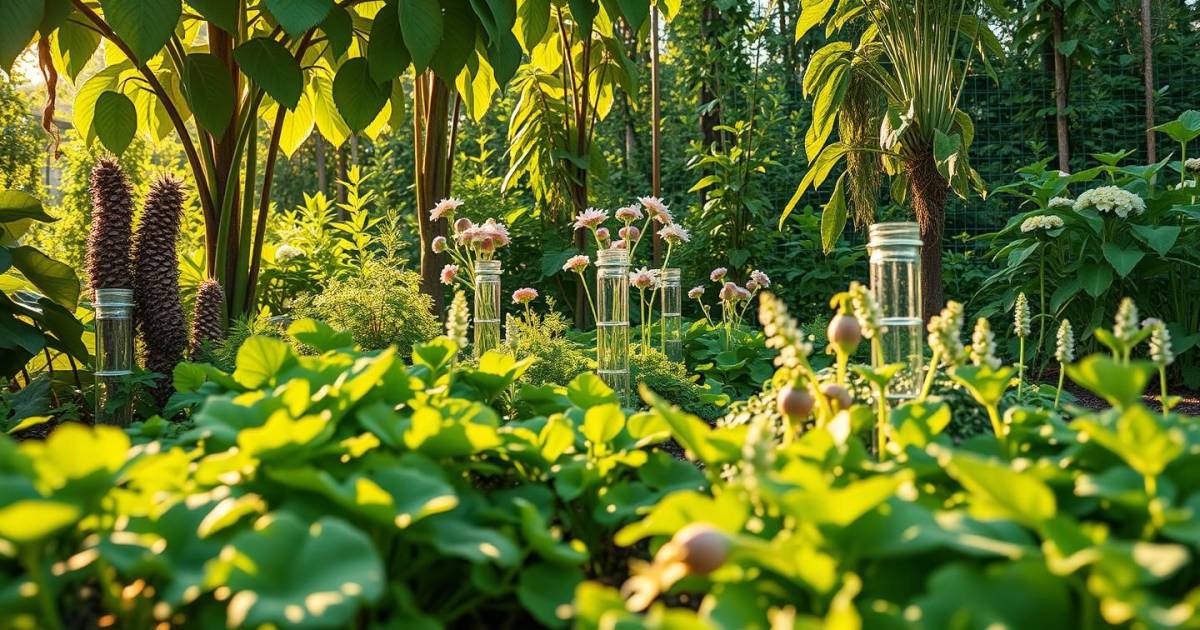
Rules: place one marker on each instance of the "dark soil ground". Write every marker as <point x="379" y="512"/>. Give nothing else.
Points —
<point x="1189" y="404"/>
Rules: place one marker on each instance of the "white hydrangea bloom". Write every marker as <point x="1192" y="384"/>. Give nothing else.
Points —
<point x="1192" y="165"/>
<point x="284" y="253"/>
<point x="1041" y="222"/>
<point x="1061" y="202"/>
<point x="1111" y="199"/>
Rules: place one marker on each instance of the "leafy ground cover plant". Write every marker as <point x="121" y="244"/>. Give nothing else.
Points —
<point x="1129" y="232"/>
<point x="1084" y="522"/>
<point x="344" y="489"/>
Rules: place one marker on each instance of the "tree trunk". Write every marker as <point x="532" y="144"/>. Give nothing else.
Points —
<point x="1148" y="80"/>
<point x="431" y="98"/>
<point x="1060" y="93"/>
<point x="928" y="190"/>
<point x="656" y="128"/>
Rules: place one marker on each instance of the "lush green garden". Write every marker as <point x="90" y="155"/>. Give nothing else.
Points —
<point x="598" y="314"/>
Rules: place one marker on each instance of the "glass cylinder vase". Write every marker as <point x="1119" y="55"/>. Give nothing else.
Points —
<point x="487" y="306"/>
<point x="895" y="250"/>
<point x="612" y="321"/>
<point x="114" y="356"/>
<point x="671" y="321"/>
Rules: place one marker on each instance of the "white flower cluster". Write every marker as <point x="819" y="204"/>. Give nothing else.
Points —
<point x="1111" y="199"/>
<point x="1061" y="202"/>
<point x="1064" y="347"/>
<point x="945" y="334"/>
<point x="1160" y="344"/>
<point x="869" y="315"/>
<point x="1192" y="165"/>
<point x="983" y="345"/>
<point x="285" y="252"/>
<point x="1021" y="316"/>
<point x="1041" y="222"/>
<point x="1125" y="324"/>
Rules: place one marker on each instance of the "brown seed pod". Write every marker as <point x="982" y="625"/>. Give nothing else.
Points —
<point x="794" y="403"/>
<point x="845" y="333"/>
<point x="839" y="396"/>
<point x="700" y="547"/>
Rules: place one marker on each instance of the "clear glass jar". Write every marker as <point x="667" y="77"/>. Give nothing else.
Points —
<point x="487" y="306"/>
<point x="895" y="250"/>
<point x="114" y="356"/>
<point x="671" y="321"/>
<point x="612" y="320"/>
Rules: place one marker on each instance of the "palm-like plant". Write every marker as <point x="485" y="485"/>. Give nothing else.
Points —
<point x="904" y="75"/>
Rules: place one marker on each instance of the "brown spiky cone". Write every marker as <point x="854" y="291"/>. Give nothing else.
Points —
<point x="108" y="261"/>
<point x="156" y="304"/>
<point x="208" y="318"/>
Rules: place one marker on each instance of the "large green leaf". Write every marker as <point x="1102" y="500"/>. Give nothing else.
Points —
<point x="19" y="20"/>
<point x="115" y="121"/>
<point x="1095" y="279"/>
<point x="75" y="45"/>
<point x="67" y="330"/>
<point x="1140" y="439"/>
<point x="55" y="279"/>
<point x="833" y="216"/>
<point x="998" y="491"/>
<point x="16" y="205"/>
<point x="209" y="91"/>
<point x="947" y="153"/>
<point x="422" y="27"/>
<point x="547" y="590"/>
<point x="387" y="56"/>
<point x="1121" y="385"/>
<point x="358" y="97"/>
<point x="1160" y="238"/>
<point x="534" y="20"/>
<point x="635" y="12"/>
<point x="1183" y="129"/>
<point x="329" y="121"/>
<point x="31" y="520"/>
<point x="458" y="40"/>
<point x="298" y="575"/>
<point x="297" y="16"/>
<point x="223" y="13"/>
<point x="1123" y="260"/>
<point x="271" y="67"/>
<point x="812" y="14"/>
<point x="145" y="25"/>
<point x="338" y="27"/>
<point x="259" y="359"/>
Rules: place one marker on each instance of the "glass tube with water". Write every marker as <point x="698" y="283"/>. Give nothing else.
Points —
<point x="487" y="306"/>
<point x="672" y="319"/>
<point x="612" y="321"/>
<point x="114" y="356"/>
<point x="895" y="250"/>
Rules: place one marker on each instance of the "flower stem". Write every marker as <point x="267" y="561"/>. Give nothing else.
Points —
<point x="32" y="560"/>
<point x="1062" y="371"/>
<point x="1162" y="381"/>
<point x="927" y="386"/>
<point x="1020" y="365"/>
<point x="588" y="292"/>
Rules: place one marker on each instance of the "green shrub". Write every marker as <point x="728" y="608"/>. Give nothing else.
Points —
<point x="380" y="307"/>
<point x="558" y="359"/>
<point x="672" y="381"/>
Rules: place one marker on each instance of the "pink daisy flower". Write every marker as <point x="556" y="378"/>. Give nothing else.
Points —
<point x="629" y="214"/>
<point x="696" y="293"/>
<point x="448" y="274"/>
<point x="590" y="219"/>
<point x="761" y="278"/>
<point x="577" y="263"/>
<point x="728" y="292"/>
<point x="718" y="274"/>
<point x="438" y="245"/>
<point x="642" y="278"/>
<point x="674" y="234"/>
<point x="656" y="208"/>
<point x="524" y="296"/>
<point x="445" y="207"/>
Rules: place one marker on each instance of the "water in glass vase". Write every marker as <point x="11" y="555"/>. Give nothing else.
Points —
<point x="903" y="343"/>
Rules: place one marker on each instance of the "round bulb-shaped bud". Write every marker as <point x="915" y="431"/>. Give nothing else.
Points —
<point x="794" y="403"/>
<point x="700" y="547"/>
<point x="845" y="333"/>
<point x="838" y="396"/>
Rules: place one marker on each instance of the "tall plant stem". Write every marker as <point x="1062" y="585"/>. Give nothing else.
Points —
<point x="880" y="401"/>
<point x="927" y="386"/>
<point x="1162" y="382"/>
<point x="1020" y="365"/>
<point x="32" y="559"/>
<point x="1062" y="372"/>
